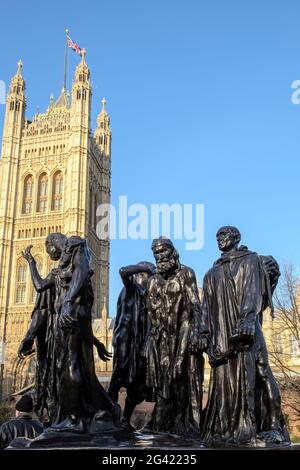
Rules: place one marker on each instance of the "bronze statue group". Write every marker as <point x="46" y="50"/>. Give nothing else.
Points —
<point x="162" y="331"/>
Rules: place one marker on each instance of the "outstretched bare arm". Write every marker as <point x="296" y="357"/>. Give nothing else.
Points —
<point x="39" y="283"/>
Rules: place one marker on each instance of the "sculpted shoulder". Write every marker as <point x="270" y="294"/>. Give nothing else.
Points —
<point x="211" y="272"/>
<point x="188" y="272"/>
<point x="251" y="257"/>
<point x="188" y="277"/>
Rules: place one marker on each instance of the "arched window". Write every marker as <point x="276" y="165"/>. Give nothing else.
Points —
<point x="57" y="191"/>
<point x="278" y="344"/>
<point x="294" y="344"/>
<point x="21" y="282"/>
<point x="27" y="194"/>
<point x="43" y="193"/>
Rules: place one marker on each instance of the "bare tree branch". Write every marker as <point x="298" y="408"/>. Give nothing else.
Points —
<point x="286" y="327"/>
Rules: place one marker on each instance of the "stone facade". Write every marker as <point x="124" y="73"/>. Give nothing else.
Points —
<point x="54" y="173"/>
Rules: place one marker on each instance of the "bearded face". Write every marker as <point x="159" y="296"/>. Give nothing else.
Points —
<point x="166" y="259"/>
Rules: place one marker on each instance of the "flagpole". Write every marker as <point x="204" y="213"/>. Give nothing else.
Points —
<point x="66" y="61"/>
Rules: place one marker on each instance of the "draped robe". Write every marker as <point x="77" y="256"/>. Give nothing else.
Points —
<point x="66" y="383"/>
<point x="243" y="390"/>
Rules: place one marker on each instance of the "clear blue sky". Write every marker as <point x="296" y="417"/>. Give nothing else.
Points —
<point x="199" y="94"/>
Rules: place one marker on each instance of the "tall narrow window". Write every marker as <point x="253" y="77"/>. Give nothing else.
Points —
<point x="21" y="283"/>
<point x="294" y="345"/>
<point x="43" y="193"/>
<point x="278" y="344"/>
<point x="27" y="195"/>
<point x="57" y="192"/>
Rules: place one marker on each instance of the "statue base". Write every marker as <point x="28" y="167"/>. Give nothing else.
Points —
<point x="114" y="439"/>
<point x="124" y="438"/>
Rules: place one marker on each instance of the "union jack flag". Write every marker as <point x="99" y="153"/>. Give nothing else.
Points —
<point x="73" y="45"/>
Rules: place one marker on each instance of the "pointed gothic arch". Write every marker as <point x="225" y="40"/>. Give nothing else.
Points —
<point x="57" y="191"/>
<point x="21" y="285"/>
<point x="42" y="193"/>
<point x="23" y="372"/>
<point x="27" y="195"/>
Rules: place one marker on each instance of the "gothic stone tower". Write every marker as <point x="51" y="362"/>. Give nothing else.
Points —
<point x="53" y="175"/>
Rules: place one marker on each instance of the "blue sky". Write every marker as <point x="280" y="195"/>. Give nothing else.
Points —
<point x="199" y="94"/>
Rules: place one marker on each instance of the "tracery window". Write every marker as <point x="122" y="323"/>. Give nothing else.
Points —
<point x="278" y="344"/>
<point x="43" y="193"/>
<point x="57" y="192"/>
<point x="27" y="195"/>
<point x="21" y="282"/>
<point x="294" y="345"/>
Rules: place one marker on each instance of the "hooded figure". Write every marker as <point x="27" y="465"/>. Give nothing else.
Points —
<point x="244" y="399"/>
